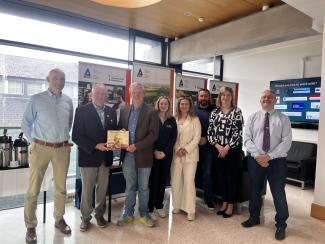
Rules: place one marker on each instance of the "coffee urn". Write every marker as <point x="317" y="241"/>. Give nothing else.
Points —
<point x="5" y="149"/>
<point x="21" y="150"/>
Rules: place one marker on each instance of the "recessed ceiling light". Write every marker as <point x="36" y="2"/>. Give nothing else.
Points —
<point x="127" y="3"/>
<point x="188" y="13"/>
<point x="200" y="19"/>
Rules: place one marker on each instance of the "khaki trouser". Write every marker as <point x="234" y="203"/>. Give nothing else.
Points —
<point x="183" y="185"/>
<point x="39" y="159"/>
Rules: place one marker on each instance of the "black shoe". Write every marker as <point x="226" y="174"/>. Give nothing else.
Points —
<point x="221" y="212"/>
<point x="250" y="223"/>
<point x="225" y="215"/>
<point x="210" y="205"/>
<point x="280" y="233"/>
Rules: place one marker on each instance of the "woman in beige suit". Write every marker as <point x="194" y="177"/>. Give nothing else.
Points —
<point x="186" y="156"/>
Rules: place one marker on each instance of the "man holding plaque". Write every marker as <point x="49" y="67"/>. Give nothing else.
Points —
<point x="91" y="123"/>
<point x="142" y="122"/>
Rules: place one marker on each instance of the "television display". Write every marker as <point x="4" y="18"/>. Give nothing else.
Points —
<point x="299" y="99"/>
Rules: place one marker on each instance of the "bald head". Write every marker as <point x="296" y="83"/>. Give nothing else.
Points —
<point x="268" y="100"/>
<point x="56" y="80"/>
<point x="99" y="94"/>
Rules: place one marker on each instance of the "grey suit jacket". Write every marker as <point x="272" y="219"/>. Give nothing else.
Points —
<point x="146" y="133"/>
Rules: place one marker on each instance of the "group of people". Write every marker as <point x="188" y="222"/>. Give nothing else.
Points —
<point x="161" y="147"/>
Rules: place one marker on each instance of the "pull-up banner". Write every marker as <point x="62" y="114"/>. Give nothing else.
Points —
<point x="157" y="81"/>
<point x="115" y="79"/>
<point x="189" y="86"/>
<point x="214" y="88"/>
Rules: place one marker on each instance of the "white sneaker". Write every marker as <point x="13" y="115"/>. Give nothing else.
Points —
<point x="161" y="213"/>
<point x="191" y="216"/>
<point x="176" y="210"/>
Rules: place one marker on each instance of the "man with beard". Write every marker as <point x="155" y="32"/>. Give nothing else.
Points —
<point x="206" y="151"/>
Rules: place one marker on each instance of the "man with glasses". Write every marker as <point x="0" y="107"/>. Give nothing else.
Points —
<point x="267" y="139"/>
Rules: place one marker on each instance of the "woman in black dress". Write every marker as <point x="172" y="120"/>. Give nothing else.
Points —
<point x="163" y="154"/>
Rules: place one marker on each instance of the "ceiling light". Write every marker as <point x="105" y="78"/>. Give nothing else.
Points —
<point x="187" y="13"/>
<point x="127" y="3"/>
<point x="200" y="19"/>
<point x="265" y="7"/>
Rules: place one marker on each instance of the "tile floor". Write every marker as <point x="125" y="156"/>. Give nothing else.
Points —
<point x="207" y="228"/>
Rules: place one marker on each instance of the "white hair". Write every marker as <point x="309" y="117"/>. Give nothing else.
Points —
<point x="98" y="85"/>
<point x="135" y="84"/>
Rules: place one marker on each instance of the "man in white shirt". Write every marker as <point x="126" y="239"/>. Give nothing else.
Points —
<point x="267" y="139"/>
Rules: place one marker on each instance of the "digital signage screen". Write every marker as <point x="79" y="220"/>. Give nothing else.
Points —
<point x="299" y="99"/>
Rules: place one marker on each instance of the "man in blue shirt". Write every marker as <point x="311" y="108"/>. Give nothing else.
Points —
<point x="142" y="122"/>
<point x="46" y="123"/>
<point x="268" y="138"/>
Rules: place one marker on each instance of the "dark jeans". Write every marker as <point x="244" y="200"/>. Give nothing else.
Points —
<point x="275" y="173"/>
<point x="160" y="172"/>
<point x="207" y="156"/>
<point x="228" y="174"/>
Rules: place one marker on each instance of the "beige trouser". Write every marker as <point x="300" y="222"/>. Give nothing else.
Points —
<point x="183" y="185"/>
<point x="39" y="159"/>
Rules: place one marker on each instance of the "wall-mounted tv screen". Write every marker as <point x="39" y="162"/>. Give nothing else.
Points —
<point x="299" y="99"/>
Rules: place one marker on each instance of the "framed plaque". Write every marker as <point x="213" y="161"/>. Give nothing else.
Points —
<point x="118" y="137"/>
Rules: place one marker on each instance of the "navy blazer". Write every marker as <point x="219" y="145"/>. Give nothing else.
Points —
<point x="88" y="131"/>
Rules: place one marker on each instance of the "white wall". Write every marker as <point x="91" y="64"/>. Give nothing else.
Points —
<point x="254" y="68"/>
<point x="319" y="196"/>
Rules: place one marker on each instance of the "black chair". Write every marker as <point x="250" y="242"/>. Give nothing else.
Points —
<point x="301" y="162"/>
<point x="243" y="194"/>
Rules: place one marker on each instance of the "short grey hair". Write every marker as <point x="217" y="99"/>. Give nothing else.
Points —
<point x="135" y="84"/>
<point x="270" y="91"/>
<point x="98" y="85"/>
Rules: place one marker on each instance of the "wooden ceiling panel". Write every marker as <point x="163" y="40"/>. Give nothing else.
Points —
<point x="165" y="18"/>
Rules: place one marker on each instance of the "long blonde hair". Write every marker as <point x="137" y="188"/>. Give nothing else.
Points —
<point x="169" y="112"/>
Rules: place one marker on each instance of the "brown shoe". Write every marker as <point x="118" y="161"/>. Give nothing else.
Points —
<point x="63" y="227"/>
<point x="31" y="237"/>
<point x="101" y="222"/>
<point x="84" y="226"/>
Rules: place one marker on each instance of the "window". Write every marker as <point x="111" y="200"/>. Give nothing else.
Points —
<point x="148" y="50"/>
<point x="204" y="66"/>
<point x="33" y="88"/>
<point x="58" y="36"/>
<point x="28" y="68"/>
<point x="2" y="85"/>
<point x="70" y="90"/>
<point x="15" y="87"/>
